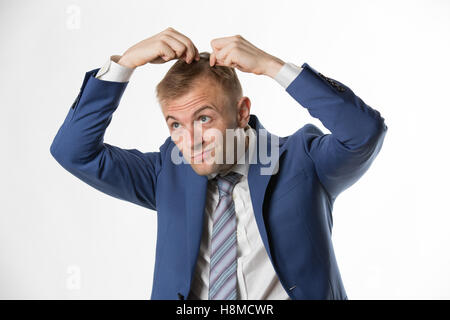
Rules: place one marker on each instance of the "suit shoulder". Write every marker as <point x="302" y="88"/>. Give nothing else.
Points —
<point x="165" y="146"/>
<point x="309" y="131"/>
<point x="156" y="159"/>
<point x="303" y="136"/>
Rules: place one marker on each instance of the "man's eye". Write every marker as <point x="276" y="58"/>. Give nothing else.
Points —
<point x="175" y="125"/>
<point x="202" y="118"/>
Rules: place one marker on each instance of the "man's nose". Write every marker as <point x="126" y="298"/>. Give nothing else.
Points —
<point x="195" y="138"/>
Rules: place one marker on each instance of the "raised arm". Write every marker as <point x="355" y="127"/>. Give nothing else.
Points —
<point x="126" y="174"/>
<point x="357" y="130"/>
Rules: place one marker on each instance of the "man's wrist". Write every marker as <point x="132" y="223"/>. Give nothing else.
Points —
<point x="288" y="73"/>
<point x="124" y="61"/>
<point x="273" y="67"/>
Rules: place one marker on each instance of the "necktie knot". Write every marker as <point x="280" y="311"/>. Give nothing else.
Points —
<point x="226" y="183"/>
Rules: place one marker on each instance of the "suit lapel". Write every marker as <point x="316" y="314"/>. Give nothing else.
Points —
<point x="196" y="189"/>
<point x="258" y="176"/>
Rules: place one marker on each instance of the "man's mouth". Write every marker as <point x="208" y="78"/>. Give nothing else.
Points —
<point x="202" y="155"/>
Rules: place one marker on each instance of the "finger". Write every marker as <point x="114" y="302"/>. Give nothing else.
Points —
<point x="229" y="60"/>
<point x="197" y="54"/>
<point x="225" y="55"/>
<point x="212" y="59"/>
<point x="219" y="43"/>
<point x="190" y="54"/>
<point x="167" y="53"/>
<point x="174" y="44"/>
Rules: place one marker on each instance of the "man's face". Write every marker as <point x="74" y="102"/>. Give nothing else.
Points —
<point x="195" y="120"/>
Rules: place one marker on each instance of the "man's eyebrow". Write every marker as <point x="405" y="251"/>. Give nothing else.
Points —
<point x="196" y="112"/>
<point x="203" y="108"/>
<point x="169" y="116"/>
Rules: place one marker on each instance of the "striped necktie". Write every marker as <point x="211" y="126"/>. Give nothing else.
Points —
<point x="222" y="274"/>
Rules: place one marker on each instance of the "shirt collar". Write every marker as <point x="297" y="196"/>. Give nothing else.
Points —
<point x="242" y="164"/>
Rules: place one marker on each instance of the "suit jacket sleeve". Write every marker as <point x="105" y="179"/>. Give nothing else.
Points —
<point x="357" y="130"/>
<point x="78" y="146"/>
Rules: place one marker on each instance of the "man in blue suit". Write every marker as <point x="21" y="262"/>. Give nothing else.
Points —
<point x="233" y="221"/>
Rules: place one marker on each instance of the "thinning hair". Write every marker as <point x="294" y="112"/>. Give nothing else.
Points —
<point x="181" y="77"/>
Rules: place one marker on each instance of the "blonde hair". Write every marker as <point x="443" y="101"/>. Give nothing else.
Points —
<point x="181" y="77"/>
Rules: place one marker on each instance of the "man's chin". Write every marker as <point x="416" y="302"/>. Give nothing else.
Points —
<point x="204" y="169"/>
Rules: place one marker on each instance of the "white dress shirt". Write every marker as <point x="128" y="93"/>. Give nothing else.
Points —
<point x="256" y="276"/>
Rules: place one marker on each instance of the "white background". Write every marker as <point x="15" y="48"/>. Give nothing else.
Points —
<point x="60" y="238"/>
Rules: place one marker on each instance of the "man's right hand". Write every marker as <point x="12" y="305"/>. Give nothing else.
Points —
<point x="160" y="48"/>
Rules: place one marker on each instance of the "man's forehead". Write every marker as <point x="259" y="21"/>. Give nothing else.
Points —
<point x="187" y="102"/>
<point x="197" y="97"/>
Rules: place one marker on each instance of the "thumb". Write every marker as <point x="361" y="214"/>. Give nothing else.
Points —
<point x="212" y="59"/>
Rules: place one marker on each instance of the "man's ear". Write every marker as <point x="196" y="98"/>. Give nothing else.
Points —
<point x="243" y="111"/>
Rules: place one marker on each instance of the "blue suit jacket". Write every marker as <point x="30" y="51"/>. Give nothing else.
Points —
<point x="293" y="207"/>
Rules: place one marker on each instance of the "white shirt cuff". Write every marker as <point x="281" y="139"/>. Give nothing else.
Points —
<point x="112" y="71"/>
<point x="287" y="74"/>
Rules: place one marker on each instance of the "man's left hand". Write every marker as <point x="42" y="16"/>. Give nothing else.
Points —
<point x="236" y="52"/>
